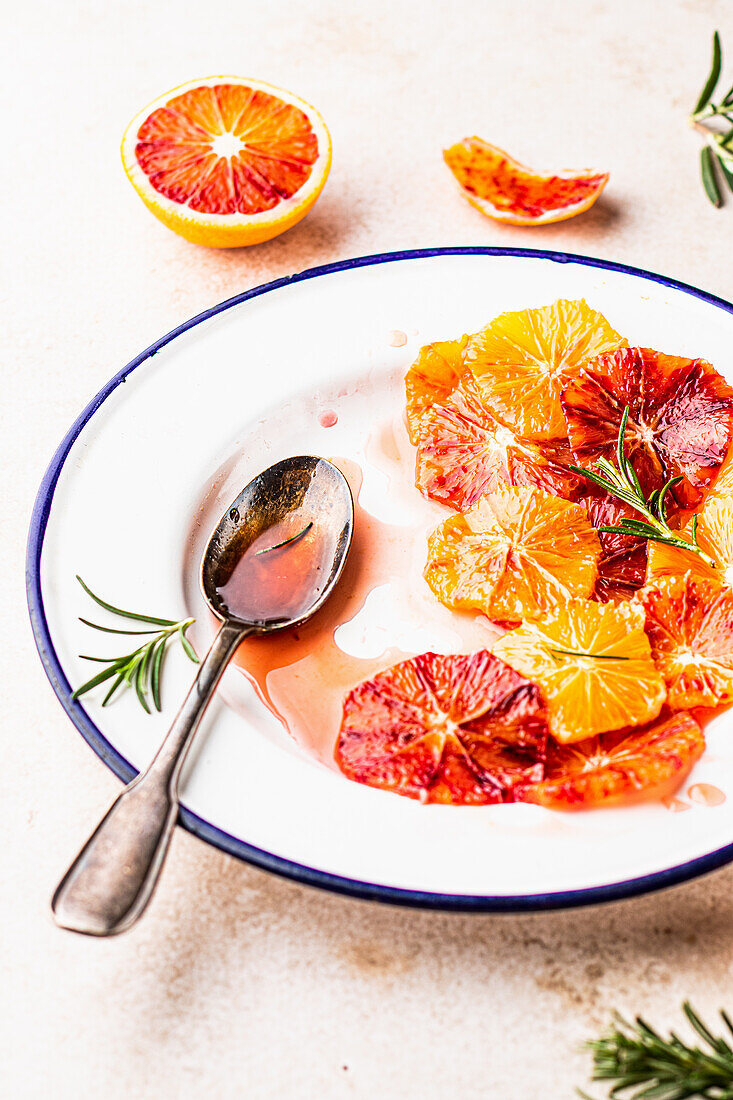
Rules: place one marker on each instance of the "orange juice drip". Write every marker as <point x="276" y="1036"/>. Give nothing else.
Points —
<point x="302" y="676"/>
<point x="705" y="794"/>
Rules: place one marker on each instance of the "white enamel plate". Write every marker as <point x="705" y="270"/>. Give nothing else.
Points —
<point x="251" y="381"/>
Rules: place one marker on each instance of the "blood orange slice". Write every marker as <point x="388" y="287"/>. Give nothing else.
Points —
<point x="522" y="361"/>
<point x="517" y="553"/>
<point x="454" y="729"/>
<point x="465" y="452"/>
<point x="226" y="161"/>
<point x="680" y="420"/>
<point x="430" y="380"/>
<point x="508" y="191"/>
<point x="593" y="665"/>
<point x="689" y="622"/>
<point x="619" y="768"/>
<point x="622" y="565"/>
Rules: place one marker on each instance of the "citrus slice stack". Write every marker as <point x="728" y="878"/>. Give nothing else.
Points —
<point x="506" y="190"/>
<point x="649" y="763"/>
<point x="457" y="729"/>
<point x="593" y="664"/>
<point x="623" y="561"/>
<point x="517" y="553"/>
<point x="226" y="161"/>
<point x="522" y="361"/>
<point x="689" y="622"/>
<point x="465" y="452"/>
<point x="680" y="417"/>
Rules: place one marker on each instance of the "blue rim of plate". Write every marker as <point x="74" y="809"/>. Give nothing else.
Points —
<point x="267" y="861"/>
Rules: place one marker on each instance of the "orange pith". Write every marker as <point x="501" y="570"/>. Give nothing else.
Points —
<point x="522" y="361"/>
<point x="689" y="622"/>
<point x="516" y="553"/>
<point x="619" y="768"/>
<point x="593" y="664"/>
<point x="453" y="729"/>
<point x="508" y="191"/>
<point x="465" y="452"/>
<point x="680" y="417"/>
<point x="227" y="149"/>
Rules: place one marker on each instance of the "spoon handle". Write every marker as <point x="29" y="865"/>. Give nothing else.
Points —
<point x="111" y="880"/>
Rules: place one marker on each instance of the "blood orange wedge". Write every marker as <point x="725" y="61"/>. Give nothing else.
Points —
<point x="680" y="417"/>
<point x="622" y="565"/>
<point x="226" y="161"/>
<point x="429" y="381"/>
<point x="617" y="768"/>
<point x="689" y="622"/>
<point x="593" y="665"/>
<point x="465" y="452"/>
<point x="522" y="361"/>
<point x="714" y="536"/>
<point x="506" y="190"/>
<point x="516" y="554"/>
<point x="455" y="729"/>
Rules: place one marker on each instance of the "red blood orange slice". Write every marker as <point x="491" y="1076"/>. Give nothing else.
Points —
<point x="648" y="763"/>
<point x="453" y="729"/>
<point x="464" y="452"/>
<point x="622" y="565"/>
<point x="680" y="419"/>
<point x="508" y="191"/>
<point x="226" y="161"/>
<point x="689" y="622"/>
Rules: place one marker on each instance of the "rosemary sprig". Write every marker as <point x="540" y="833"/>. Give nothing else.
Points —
<point x="580" y="653"/>
<point x="621" y="481"/>
<point x="286" y="542"/>
<point x="635" y="1057"/>
<point x="142" y="668"/>
<point x="716" y="155"/>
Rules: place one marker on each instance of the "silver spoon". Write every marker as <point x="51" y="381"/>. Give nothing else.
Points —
<point x="112" y="879"/>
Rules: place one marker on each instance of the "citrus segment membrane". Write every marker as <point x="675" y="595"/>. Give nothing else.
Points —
<point x="506" y="190"/>
<point x="522" y="361"/>
<point x="454" y="729"/>
<point x="225" y="161"/>
<point x="689" y="621"/>
<point x="516" y="553"/>
<point x="465" y="452"/>
<point x="680" y="418"/>
<point x="593" y="665"/>
<point x="617" y="768"/>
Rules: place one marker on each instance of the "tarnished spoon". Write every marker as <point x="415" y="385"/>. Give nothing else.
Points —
<point x="307" y="500"/>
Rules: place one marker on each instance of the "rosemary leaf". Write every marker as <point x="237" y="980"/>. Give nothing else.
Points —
<point x="286" y="542"/>
<point x="713" y="76"/>
<point x="113" y="689"/>
<point x="709" y="179"/>
<point x="727" y="173"/>
<point x="156" y="671"/>
<point x="119" y="611"/>
<point x="140" y="686"/>
<point x="187" y="647"/>
<point x="114" y="629"/>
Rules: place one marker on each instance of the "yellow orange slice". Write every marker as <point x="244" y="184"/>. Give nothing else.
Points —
<point x="714" y="536"/>
<point x="517" y="553"/>
<point x="227" y="161"/>
<point x="689" y="621"/>
<point x="593" y="664"/>
<point x="430" y="380"/>
<point x="522" y="362"/>
<point x="508" y="191"/>
<point x="619" y="768"/>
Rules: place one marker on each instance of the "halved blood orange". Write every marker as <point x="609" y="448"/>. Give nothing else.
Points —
<point x="593" y="664"/>
<point x="689" y="622"/>
<point x="465" y="452"/>
<point x="680" y="420"/>
<point x="226" y="161"/>
<point x="508" y="191"/>
<point x="517" y="553"/>
<point x="622" y="565"/>
<point x="453" y="729"/>
<point x="618" y="768"/>
<point x="522" y="361"/>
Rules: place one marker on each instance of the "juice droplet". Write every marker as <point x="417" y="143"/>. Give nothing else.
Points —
<point x="328" y="419"/>
<point x="676" y="805"/>
<point x="706" y="794"/>
<point x="397" y="338"/>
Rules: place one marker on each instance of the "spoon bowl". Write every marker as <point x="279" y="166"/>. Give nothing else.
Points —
<point x="301" y="504"/>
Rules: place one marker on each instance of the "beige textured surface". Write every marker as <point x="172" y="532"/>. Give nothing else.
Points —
<point x="238" y="984"/>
